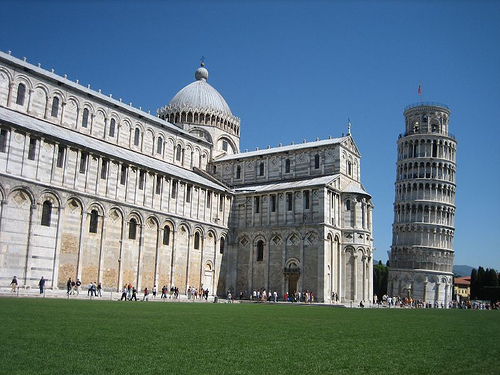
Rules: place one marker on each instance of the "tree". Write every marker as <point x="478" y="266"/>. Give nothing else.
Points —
<point x="380" y="274"/>
<point x="484" y="284"/>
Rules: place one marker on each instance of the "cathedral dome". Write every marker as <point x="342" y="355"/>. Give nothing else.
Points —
<point x="199" y="96"/>
<point x="200" y="105"/>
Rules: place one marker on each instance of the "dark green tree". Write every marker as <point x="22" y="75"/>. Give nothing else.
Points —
<point x="473" y="284"/>
<point x="380" y="274"/>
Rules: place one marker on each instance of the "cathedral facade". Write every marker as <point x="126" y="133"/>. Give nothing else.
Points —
<point x="95" y="189"/>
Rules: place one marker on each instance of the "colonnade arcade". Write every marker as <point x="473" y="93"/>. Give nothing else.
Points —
<point x="428" y="191"/>
<point x="61" y="238"/>
<point x="426" y="148"/>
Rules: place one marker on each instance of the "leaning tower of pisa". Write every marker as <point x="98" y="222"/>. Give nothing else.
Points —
<point x="421" y="255"/>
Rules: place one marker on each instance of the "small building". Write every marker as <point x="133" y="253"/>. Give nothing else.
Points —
<point x="461" y="287"/>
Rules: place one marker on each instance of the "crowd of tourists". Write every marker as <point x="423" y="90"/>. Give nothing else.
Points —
<point x="129" y="293"/>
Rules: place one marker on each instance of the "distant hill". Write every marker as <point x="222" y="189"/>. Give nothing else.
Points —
<point x="462" y="270"/>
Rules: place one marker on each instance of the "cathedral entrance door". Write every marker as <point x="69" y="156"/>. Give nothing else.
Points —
<point x="293" y="280"/>
<point x="208" y="278"/>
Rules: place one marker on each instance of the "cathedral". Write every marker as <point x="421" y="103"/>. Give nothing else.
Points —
<point x="96" y="189"/>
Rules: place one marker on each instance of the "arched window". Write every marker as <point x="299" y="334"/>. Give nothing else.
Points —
<point x="260" y="250"/>
<point x="46" y="213"/>
<point x="159" y="145"/>
<point x="3" y="140"/>
<point x="32" y="148"/>
<point x="287" y="166"/>
<point x="55" y="107"/>
<point x="348" y="205"/>
<point x="21" y="93"/>
<point x="289" y="201"/>
<point x="261" y="169"/>
<point x="132" y="229"/>
<point x="94" y="220"/>
<point x="166" y="235"/>
<point x="316" y="161"/>
<point x="137" y="135"/>
<point x="221" y="246"/>
<point x="238" y="172"/>
<point x="178" y="154"/>
<point x="85" y="118"/>
<point x="61" y="151"/>
<point x="197" y="241"/>
<point x="306" y="199"/>
<point x="112" y="126"/>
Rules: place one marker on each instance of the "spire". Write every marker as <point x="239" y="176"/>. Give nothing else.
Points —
<point x="201" y="73"/>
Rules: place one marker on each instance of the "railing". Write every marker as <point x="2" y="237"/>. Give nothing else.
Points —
<point x="401" y="135"/>
<point x="421" y="104"/>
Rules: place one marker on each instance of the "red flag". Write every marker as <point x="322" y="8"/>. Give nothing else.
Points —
<point x="419" y="90"/>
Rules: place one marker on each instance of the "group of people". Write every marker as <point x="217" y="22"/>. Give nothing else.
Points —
<point x="193" y="293"/>
<point x="174" y="292"/>
<point x="73" y="287"/>
<point x="263" y="295"/>
<point x="129" y="293"/>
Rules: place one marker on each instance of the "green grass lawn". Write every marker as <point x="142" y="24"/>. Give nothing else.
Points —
<point x="50" y="336"/>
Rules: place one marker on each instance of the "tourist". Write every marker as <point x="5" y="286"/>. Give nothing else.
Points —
<point x="129" y="291"/>
<point x="13" y="284"/>
<point x="164" y="291"/>
<point x="124" y="293"/>
<point x="41" y="285"/>
<point x="134" y="294"/>
<point x="68" y="287"/>
<point x="78" y="285"/>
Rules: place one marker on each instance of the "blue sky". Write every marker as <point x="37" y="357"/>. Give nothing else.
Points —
<point x="294" y="70"/>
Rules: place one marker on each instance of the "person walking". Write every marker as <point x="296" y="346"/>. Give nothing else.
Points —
<point x="68" y="287"/>
<point x="124" y="293"/>
<point x="154" y="291"/>
<point x="41" y="285"/>
<point x="78" y="285"/>
<point x="13" y="284"/>
<point x="134" y="294"/>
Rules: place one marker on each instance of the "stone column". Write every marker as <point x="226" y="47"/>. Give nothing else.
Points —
<point x="339" y="272"/>
<point x="80" y="246"/>
<point x="188" y="265"/>
<point x="101" y="248"/>
<point x="172" y="258"/>
<point x="120" y="259"/>
<point x="158" y="242"/>
<point x="11" y="92"/>
<point x="355" y="292"/>
<point x="139" y="260"/>
<point x="27" y="274"/>
<point x="57" y="250"/>
<point x="63" y="105"/>
<point x="300" y="287"/>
